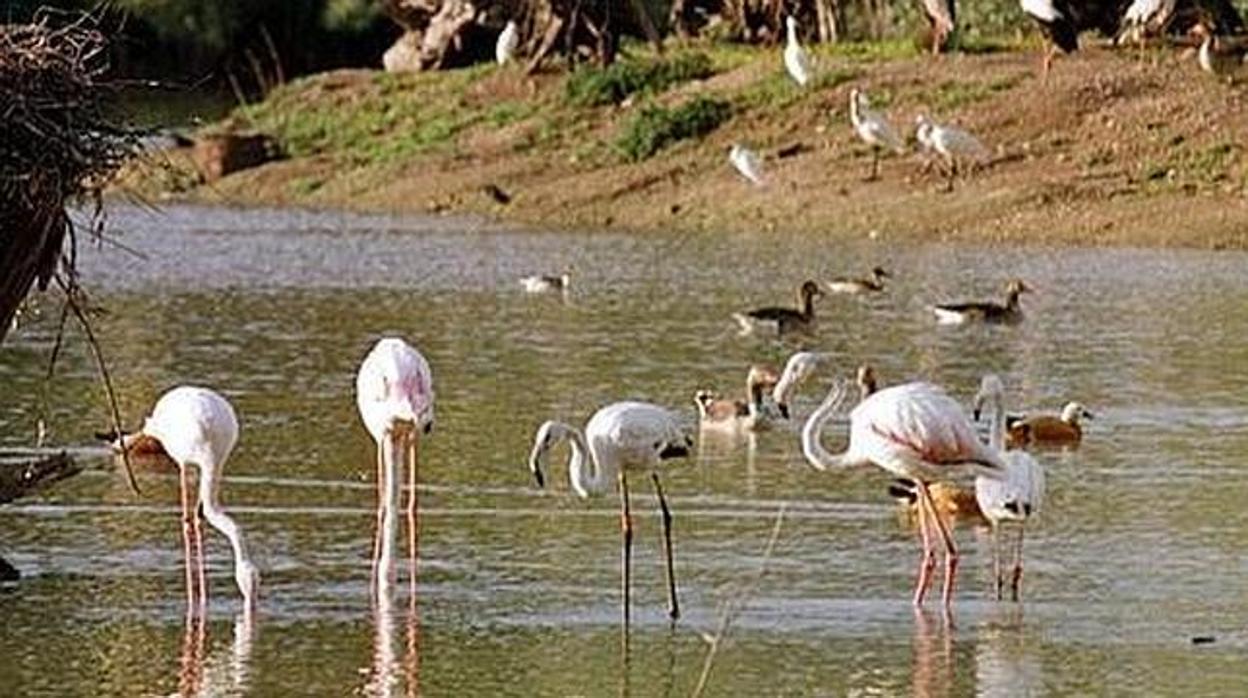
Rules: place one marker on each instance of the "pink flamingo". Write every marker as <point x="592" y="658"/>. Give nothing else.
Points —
<point x="196" y="426"/>
<point x="914" y="431"/>
<point x="394" y="393"/>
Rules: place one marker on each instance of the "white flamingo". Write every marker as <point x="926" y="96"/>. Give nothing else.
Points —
<point x="196" y="427"/>
<point x="800" y="366"/>
<point x="954" y="145"/>
<point x="917" y="432"/>
<point x="746" y="162"/>
<point x="795" y="59"/>
<point x="1018" y="496"/>
<point x="619" y="437"/>
<point x="873" y="129"/>
<point x="508" y="42"/>
<point x="394" y="393"/>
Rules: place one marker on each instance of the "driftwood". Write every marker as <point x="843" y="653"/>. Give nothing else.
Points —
<point x="22" y="475"/>
<point x="58" y="143"/>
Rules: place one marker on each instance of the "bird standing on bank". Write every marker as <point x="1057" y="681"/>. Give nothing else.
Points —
<point x="942" y="18"/>
<point x="620" y="437"/>
<point x="955" y="146"/>
<point x="508" y="42"/>
<point x="873" y="129"/>
<point x="747" y="163"/>
<point x="796" y="62"/>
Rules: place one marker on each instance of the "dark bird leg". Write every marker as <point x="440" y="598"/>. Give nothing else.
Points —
<point x="875" y="164"/>
<point x="1016" y="582"/>
<point x="997" y="580"/>
<point x="673" y="606"/>
<point x="952" y="172"/>
<point x="626" y="553"/>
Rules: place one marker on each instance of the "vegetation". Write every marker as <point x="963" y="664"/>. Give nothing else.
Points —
<point x="594" y="86"/>
<point x="655" y="128"/>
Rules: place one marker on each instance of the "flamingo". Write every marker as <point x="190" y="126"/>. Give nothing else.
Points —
<point x="799" y="367"/>
<point x="196" y="427"/>
<point x="508" y="41"/>
<point x="916" y="432"/>
<point x="746" y="162"/>
<point x="873" y="129"/>
<point x="619" y="437"/>
<point x="942" y="16"/>
<point x="1018" y="496"/>
<point x="796" y="62"/>
<point x="394" y="393"/>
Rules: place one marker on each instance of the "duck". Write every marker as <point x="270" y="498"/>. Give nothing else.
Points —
<point x="875" y="284"/>
<point x="954" y="503"/>
<point x="777" y="320"/>
<point x="985" y="311"/>
<point x="1048" y="429"/>
<point x="538" y="283"/>
<point x="718" y="413"/>
<point x="146" y="450"/>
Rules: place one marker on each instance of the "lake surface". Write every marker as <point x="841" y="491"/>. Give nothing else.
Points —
<point x="1140" y="549"/>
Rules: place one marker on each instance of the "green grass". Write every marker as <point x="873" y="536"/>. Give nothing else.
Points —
<point x="953" y="95"/>
<point x="656" y="128"/>
<point x="595" y="87"/>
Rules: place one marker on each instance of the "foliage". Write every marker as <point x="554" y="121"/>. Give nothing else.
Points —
<point x="657" y="127"/>
<point x="593" y="87"/>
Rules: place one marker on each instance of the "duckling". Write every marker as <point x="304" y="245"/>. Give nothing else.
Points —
<point x="985" y="311"/>
<point x="954" y="503"/>
<point x="875" y="284"/>
<point x="777" y="320"/>
<point x="718" y="413"/>
<point x="1049" y="429"/>
<point x="538" y="283"/>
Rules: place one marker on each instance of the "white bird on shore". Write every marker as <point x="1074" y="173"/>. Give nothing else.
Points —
<point x="873" y="129"/>
<point x="1014" y="499"/>
<point x="955" y="146"/>
<point x="1144" y="18"/>
<point x="795" y="59"/>
<point x="917" y="432"/>
<point x="746" y="162"/>
<point x="508" y="42"/>
<point x="1058" y="25"/>
<point x="620" y="437"/>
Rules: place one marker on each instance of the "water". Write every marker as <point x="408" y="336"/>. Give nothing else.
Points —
<point x="1138" y="551"/>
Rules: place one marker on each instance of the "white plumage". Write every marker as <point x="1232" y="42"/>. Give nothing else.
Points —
<point x="747" y="163"/>
<point x="800" y="366"/>
<point x="508" y="42"/>
<point x="917" y="432"/>
<point x="1042" y="10"/>
<point x="1018" y="496"/>
<point x="796" y="62"/>
<point x="955" y="146"/>
<point x="197" y="427"/>
<point x="872" y="128"/>
<point x="1145" y="17"/>
<point x="539" y="283"/>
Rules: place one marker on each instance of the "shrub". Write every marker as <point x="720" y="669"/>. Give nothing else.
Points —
<point x="656" y="127"/>
<point x="595" y="87"/>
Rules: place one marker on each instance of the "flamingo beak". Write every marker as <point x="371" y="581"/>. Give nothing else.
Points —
<point x="783" y="408"/>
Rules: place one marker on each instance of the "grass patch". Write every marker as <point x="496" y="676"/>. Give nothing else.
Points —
<point x="595" y="87"/>
<point x="953" y="95"/>
<point x="1212" y="163"/>
<point x="655" y="128"/>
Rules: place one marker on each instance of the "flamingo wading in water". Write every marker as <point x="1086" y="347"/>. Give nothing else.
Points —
<point x="619" y="437"/>
<point x="394" y="393"/>
<point x="917" y="432"/>
<point x="197" y="427"/>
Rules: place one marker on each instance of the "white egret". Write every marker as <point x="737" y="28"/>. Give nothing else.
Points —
<point x="746" y="162"/>
<point x="796" y="62"/>
<point x="508" y="42"/>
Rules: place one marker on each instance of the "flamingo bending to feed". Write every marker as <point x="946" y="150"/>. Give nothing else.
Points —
<point x="800" y="366"/>
<point x="619" y="437"/>
<point x="733" y="415"/>
<point x="394" y="393"/>
<point x="1018" y="496"/>
<point x="197" y="427"/>
<point x="916" y="432"/>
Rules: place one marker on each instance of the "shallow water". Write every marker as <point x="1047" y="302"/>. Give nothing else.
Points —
<point x="1138" y="551"/>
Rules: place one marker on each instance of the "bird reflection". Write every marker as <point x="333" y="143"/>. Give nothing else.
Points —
<point x="1004" y="664"/>
<point x="215" y="675"/>
<point x="933" y="655"/>
<point x="388" y="673"/>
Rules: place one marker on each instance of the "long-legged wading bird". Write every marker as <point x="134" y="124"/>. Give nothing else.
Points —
<point x="942" y="16"/>
<point x="799" y="367"/>
<point x="917" y="432"/>
<point x="508" y="42"/>
<point x="779" y="320"/>
<point x="1145" y="18"/>
<point x="955" y="146"/>
<point x="197" y="428"/>
<point x="394" y="393"/>
<point x="620" y="437"/>
<point x="873" y="129"/>
<point x="796" y="62"/>
<point x="1016" y="497"/>
<point x="985" y="311"/>
<point x="747" y="163"/>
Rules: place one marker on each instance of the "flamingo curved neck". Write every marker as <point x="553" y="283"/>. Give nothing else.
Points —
<point x="585" y="470"/>
<point x="814" y="451"/>
<point x="996" y="423"/>
<point x="222" y="521"/>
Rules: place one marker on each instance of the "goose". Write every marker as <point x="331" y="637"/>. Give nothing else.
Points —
<point x="538" y="283"/>
<point x="747" y="163"/>
<point x="873" y="129"/>
<point x="1049" y="429"/>
<point x="992" y="313"/>
<point x="953" y="503"/>
<point x="748" y="414"/>
<point x="875" y="284"/>
<point x="954" y="145"/>
<point x="796" y="62"/>
<point x="777" y="320"/>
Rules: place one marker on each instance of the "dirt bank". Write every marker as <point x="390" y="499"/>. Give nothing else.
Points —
<point x="1112" y="151"/>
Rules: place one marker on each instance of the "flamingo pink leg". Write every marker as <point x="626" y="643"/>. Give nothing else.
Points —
<point x="197" y="526"/>
<point x="927" y="559"/>
<point x="381" y="509"/>
<point x="413" y="457"/>
<point x="188" y="543"/>
<point x="951" y="550"/>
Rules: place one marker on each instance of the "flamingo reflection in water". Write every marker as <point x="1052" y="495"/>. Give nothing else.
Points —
<point x="203" y="675"/>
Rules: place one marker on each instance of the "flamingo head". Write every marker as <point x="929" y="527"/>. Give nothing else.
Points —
<point x="703" y="399"/>
<point x="991" y="389"/>
<point x="798" y="368"/>
<point x="547" y="437"/>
